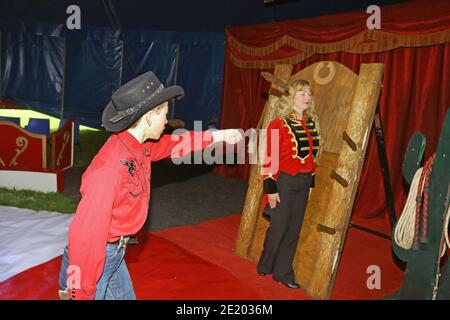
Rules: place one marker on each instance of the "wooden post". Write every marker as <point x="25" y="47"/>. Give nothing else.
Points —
<point x="349" y="167"/>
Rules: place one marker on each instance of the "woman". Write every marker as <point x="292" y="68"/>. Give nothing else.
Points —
<point x="292" y="147"/>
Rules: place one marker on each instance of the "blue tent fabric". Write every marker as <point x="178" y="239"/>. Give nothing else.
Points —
<point x="201" y="75"/>
<point x="32" y="70"/>
<point x="198" y="15"/>
<point x="93" y="59"/>
<point x="11" y="119"/>
<point x="36" y="58"/>
<point x="200" y="68"/>
<point x="39" y="126"/>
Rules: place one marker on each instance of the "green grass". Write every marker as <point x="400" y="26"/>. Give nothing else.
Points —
<point x="88" y="146"/>
<point x="50" y="201"/>
<point x="90" y="141"/>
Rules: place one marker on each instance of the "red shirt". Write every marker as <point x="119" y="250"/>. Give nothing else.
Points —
<point x="285" y="157"/>
<point x="282" y="155"/>
<point x="114" y="201"/>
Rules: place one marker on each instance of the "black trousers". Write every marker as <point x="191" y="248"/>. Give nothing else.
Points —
<point x="286" y="220"/>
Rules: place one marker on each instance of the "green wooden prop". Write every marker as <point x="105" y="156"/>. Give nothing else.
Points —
<point x="413" y="156"/>
<point x="421" y="279"/>
<point x="411" y="162"/>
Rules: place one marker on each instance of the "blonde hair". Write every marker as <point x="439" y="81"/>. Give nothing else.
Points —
<point x="300" y="85"/>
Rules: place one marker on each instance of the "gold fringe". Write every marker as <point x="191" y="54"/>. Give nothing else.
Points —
<point x="369" y="41"/>
<point x="266" y="64"/>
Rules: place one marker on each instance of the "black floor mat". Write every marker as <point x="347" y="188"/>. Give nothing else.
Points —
<point x="181" y="194"/>
<point x="190" y="194"/>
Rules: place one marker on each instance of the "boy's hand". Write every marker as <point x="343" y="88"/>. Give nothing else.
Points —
<point x="231" y="136"/>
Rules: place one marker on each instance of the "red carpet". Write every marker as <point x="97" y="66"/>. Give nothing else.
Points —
<point x="197" y="262"/>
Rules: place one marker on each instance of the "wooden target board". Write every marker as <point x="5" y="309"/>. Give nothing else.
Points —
<point x="345" y="104"/>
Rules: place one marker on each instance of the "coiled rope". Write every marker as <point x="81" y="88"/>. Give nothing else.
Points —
<point x="405" y="228"/>
<point x="409" y="230"/>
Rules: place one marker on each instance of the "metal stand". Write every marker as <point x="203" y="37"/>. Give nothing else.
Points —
<point x="386" y="180"/>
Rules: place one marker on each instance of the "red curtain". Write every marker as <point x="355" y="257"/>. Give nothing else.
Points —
<point x="414" y="97"/>
<point x="410" y="24"/>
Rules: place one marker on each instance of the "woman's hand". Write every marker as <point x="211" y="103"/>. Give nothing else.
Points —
<point x="273" y="199"/>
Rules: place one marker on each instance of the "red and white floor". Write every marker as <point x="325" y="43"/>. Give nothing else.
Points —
<point x="182" y="263"/>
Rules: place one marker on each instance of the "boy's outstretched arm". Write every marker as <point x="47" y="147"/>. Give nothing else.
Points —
<point x="179" y="145"/>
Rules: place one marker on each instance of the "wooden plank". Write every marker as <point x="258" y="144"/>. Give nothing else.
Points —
<point x="332" y="97"/>
<point x="316" y="212"/>
<point x="349" y="166"/>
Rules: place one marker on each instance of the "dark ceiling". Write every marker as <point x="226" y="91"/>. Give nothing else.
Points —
<point x="181" y="15"/>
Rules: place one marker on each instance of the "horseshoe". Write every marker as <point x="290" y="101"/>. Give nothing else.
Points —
<point x="326" y="80"/>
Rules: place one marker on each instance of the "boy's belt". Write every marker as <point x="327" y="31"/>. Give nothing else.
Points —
<point x="122" y="242"/>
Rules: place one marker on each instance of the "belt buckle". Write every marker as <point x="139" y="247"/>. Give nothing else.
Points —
<point x="123" y="242"/>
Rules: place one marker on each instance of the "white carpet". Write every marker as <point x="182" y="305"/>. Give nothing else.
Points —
<point x="29" y="238"/>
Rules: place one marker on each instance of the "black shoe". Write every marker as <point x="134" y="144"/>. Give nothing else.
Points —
<point x="290" y="285"/>
<point x="262" y="273"/>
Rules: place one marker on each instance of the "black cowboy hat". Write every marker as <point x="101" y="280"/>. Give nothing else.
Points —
<point x="134" y="99"/>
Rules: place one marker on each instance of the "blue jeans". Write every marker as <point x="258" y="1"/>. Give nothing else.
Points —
<point x="114" y="283"/>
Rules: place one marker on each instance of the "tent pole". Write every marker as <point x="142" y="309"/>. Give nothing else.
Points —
<point x="389" y="194"/>
<point x="177" y="58"/>
<point x="121" y="61"/>
<point x="1" y="69"/>
<point x="63" y="78"/>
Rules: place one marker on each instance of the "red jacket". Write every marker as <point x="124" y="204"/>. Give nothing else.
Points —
<point x="293" y="151"/>
<point x="115" y="198"/>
